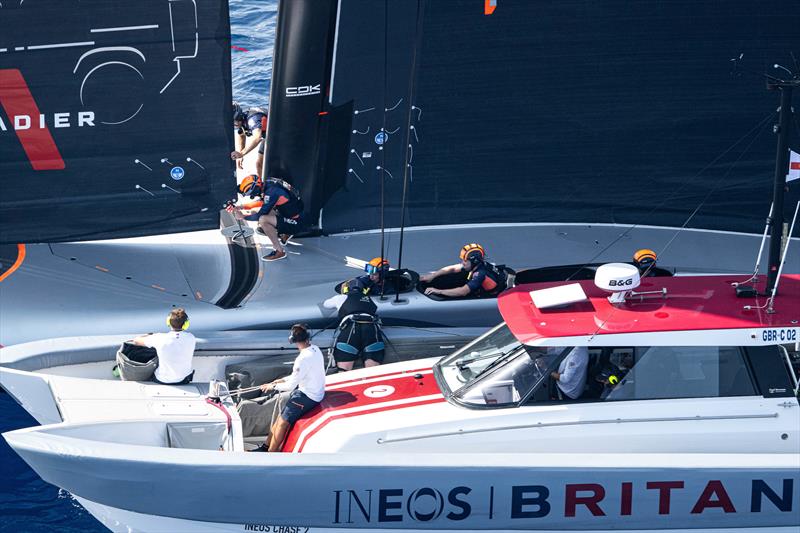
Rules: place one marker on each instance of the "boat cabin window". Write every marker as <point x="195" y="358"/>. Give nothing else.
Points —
<point x="683" y="372"/>
<point x="498" y="371"/>
<point x="467" y="364"/>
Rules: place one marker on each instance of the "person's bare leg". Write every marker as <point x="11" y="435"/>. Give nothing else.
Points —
<point x="345" y="365"/>
<point x="279" y="431"/>
<point x="269" y="224"/>
<point x="370" y="362"/>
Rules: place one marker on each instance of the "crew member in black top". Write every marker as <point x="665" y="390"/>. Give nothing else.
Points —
<point x="359" y="329"/>
<point x="482" y="278"/>
<point x="251" y="130"/>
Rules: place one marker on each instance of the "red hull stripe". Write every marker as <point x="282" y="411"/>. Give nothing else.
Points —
<point x="17" y="100"/>
<point x="303" y="440"/>
<point x="365" y="396"/>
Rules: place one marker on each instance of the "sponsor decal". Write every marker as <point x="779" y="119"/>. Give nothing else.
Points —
<point x="302" y="90"/>
<point x="489" y="6"/>
<point x="524" y="505"/>
<point x="381" y="138"/>
<point x="177" y="173"/>
<point x="623" y="282"/>
<point x="29" y="123"/>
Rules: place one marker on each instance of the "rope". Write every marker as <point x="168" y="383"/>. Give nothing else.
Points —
<point x="758" y="127"/>
<point x="236" y="392"/>
<point x="406" y="163"/>
<point x="697" y="209"/>
<point x="383" y="131"/>
<point x="717" y="185"/>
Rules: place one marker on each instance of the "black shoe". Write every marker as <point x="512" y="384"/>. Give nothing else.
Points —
<point x="284" y="238"/>
<point x="262" y="448"/>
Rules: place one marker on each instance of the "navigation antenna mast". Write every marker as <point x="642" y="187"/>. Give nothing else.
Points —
<point x="782" y="128"/>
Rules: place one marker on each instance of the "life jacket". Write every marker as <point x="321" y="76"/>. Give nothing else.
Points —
<point x="494" y="282"/>
<point x="357" y="304"/>
<point x="294" y="206"/>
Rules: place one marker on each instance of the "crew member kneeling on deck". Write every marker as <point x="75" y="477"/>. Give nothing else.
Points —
<point x="175" y="350"/>
<point x="482" y="277"/>
<point x="280" y="215"/>
<point x="305" y="387"/>
<point x="359" y="328"/>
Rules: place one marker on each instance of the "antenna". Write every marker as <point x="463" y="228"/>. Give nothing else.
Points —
<point x="783" y="129"/>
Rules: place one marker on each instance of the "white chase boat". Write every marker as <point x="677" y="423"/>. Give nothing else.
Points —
<point x="700" y="430"/>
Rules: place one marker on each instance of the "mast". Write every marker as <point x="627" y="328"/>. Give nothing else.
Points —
<point x="781" y="169"/>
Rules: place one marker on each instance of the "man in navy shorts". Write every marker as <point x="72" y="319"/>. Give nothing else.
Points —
<point x="305" y="387"/>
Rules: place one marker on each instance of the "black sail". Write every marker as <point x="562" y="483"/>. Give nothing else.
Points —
<point x="114" y="118"/>
<point x="298" y="117"/>
<point x="554" y="111"/>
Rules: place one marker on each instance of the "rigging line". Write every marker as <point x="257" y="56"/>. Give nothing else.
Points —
<point x="406" y="159"/>
<point x="708" y="195"/>
<point x="673" y="195"/>
<point x="686" y="222"/>
<point x="383" y="129"/>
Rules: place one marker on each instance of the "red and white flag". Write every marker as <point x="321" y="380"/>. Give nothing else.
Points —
<point x="794" y="166"/>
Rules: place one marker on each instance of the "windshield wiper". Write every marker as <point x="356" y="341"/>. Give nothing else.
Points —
<point x="464" y="362"/>
<point x="501" y="359"/>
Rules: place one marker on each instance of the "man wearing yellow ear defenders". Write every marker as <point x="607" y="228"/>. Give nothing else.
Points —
<point x="175" y="350"/>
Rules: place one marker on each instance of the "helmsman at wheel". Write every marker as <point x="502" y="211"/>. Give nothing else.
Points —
<point x="359" y="328"/>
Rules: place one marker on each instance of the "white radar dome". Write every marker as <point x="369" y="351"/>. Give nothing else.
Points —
<point x="617" y="277"/>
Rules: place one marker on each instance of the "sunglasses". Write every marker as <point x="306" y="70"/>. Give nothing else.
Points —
<point x="371" y="269"/>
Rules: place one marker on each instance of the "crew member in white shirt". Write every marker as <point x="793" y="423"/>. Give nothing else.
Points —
<point x="305" y="386"/>
<point x="175" y="350"/>
<point x="572" y="371"/>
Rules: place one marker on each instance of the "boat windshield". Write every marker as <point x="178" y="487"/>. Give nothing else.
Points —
<point x="496" y="369"/>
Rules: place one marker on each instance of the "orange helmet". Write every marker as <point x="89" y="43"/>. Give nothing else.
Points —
<point x="644" y="258"/>
<point x="472" y="252"/>
<point x="250" y="185"/>
<point x="376" y="265"/>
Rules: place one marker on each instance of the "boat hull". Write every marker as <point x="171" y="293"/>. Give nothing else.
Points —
<point x="72" y="286"/>
<point x="122" y="521"/>
<point x="466" y="492"/>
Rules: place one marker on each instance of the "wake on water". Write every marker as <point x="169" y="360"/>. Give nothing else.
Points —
<point x="27" y="503"/>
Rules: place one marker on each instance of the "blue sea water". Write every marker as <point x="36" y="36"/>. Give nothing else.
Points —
<point x="28" y="504"/>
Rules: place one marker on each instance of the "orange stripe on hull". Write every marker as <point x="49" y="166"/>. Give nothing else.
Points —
<point x="17" y="263"/>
